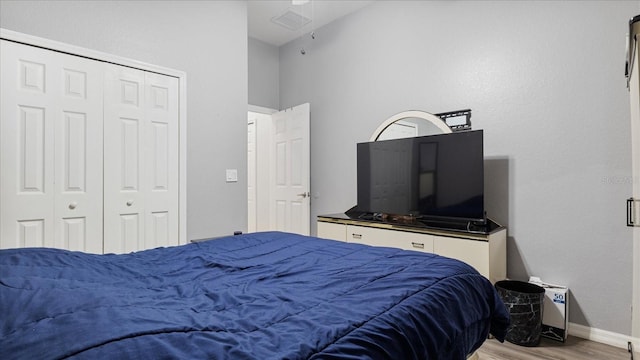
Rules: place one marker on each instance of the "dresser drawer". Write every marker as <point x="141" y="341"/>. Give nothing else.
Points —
<point x="327" y="230"/>
<point x="474" y="253"/>
<point x="390" y="238"/>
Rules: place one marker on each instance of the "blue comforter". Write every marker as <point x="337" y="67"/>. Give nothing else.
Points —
<point x="255" y="296"/>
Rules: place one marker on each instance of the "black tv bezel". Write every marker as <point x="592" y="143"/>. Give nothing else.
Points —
<point x="429" y="220"/>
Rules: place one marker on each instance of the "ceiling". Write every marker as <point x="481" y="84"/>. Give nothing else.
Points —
<point x="298" y="17"/>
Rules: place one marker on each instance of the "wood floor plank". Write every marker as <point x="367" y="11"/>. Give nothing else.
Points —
<point x="574" y="349"/>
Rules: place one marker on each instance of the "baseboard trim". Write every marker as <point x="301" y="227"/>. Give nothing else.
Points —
<point x="604" y="336"/>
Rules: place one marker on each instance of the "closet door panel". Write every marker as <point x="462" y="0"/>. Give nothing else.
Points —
<point x="51" y="162"/>
<point x="27" y="110"/>
<point x="128" y="239"/>
<point x="124" y="129"/>
<point x="89" y="155"/>
<point x="33" y="138"/>
<point x="30" y="234"/>
<point x="51" y="136"/>
<point x="78" y="154"/>
<point x="161" y="188"/>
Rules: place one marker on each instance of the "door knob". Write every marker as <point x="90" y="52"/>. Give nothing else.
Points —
<point x="73" y="205"/>
<point x="304" y="194"/>
<point x="129" y="202"/>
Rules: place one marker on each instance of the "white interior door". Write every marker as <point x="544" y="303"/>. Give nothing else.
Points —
<point x="290" y="178"/>
<point x="51" y="162"/>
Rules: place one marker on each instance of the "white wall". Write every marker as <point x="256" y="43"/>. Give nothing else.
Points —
<point x="544" y="79"/>
<point x="264" y="74"/>
<point x="207" y="40"/>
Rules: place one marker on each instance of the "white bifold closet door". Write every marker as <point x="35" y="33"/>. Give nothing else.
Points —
<point x="140" y="160"/>
<point x="51" y="138"/>
<point x="89" y="153"/>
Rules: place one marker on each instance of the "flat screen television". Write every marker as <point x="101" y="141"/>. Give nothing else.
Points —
<point x="432" y="178"/>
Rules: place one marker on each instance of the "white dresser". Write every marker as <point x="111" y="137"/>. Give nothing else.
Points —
<point x="487" y="252"/>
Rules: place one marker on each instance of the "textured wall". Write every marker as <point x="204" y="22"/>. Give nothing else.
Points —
<point x="264" y="74"/>
<point x="545" y="81"/>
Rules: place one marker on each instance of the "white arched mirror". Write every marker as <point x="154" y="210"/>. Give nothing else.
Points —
<point x="410" y="124"/>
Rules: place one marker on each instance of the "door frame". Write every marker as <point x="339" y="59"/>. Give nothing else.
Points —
<point x="262" y="165"/>
<point x="634" y="93"/>
<point x="633" y="78"/>
<point x="119" y="60"/>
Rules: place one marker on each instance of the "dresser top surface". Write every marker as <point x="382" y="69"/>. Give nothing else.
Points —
<point x="455" y="230"/>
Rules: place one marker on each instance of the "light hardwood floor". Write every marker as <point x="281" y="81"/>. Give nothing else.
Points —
<point x="574" y="349"/>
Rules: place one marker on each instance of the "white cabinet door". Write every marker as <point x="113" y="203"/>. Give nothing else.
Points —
<point x="140" y="160"/>
<point x="51" y="162"/>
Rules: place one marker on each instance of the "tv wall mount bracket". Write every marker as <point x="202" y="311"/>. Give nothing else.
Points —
<point x="459" y="120"/>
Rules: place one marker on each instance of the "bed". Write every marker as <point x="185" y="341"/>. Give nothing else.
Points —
<point x="270" y="295"/>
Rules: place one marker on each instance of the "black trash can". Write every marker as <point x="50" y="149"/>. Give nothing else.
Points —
<point x="524" y="302"/>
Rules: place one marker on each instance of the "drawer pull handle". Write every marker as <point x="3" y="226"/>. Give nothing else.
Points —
<point x="418" y="245"/>
<point x="631" y="213"/>
<point x="356" y="236"/>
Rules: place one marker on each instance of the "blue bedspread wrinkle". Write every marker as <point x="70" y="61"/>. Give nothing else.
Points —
<point x="269" y="295"/>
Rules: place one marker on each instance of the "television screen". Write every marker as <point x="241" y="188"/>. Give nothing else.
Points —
<point x="429" y="177"/>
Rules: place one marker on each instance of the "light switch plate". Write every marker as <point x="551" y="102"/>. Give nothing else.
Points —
<point x="232" y="175"/>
